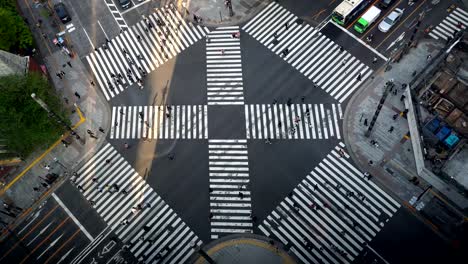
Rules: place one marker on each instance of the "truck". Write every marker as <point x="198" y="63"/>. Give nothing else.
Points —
<point x="367" y="19"/>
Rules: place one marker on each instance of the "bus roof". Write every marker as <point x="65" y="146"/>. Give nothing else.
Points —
<point x="371" y="14"/>
<point x="347" y="6"/>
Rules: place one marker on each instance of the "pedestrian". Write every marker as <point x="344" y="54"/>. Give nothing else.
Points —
<point x="402" y="97"/>
<point x="390" y="130"/>
<point x="89" y="132"/>
<point x="126" y="146"/>
<point x="59" y="75"/>
<point x="289" y="102"/>
<point x="268" y="140"/>
<point x="168" y="115"/>
<point x="35" y="189"/>
<point x="65" y="143"/>
<point x="80" y="188"/>
<point x="342" y="153"/>
<point x="241" y="195"/>
<point x="62" y="73"/>
<point x="107" y="40"/>
<point x="108" y="161"/>
<point x="222" y="51"/>
<point x="95" y="180"/>
<point x="395" y="116"/>
<point x="92" y="203"/>
<point x="171" y="156"/>
<point x="341" y="49"/>
<point x="285" y="52"/>
<point x="343" y="62"/>
<point x="359" y="76"/>
<point x="374" y="60"/>
<point x="69" y="64"/>
<point x="123" y="191"/>
<point x="428" y="57"/>
<point x="286" y="25"/>
<point x="77" y="95"/>
<point x="365" y="122"/>
<point x="303" y="99"/>
<point x="101" y="130"/>
<point x="92" y="83"/>
<point x="141" y="115"/>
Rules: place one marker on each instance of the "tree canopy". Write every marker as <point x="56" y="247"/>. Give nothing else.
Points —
<point x="23" y="123"/>
<point x="15" y="34"/>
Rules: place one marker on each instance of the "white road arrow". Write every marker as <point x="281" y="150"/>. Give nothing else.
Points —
<point x="65" y="256"/>
<point x="40" y="233"/>
<point x="51" y="245"/>
<point x="396" y="40"/>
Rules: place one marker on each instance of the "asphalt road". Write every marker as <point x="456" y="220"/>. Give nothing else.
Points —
<point x="48" y="235"/>
<point x="208" y="169"/>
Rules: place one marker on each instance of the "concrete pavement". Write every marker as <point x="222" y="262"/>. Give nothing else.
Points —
<point x="25" y="188"/>
<point x="388" y="152"/>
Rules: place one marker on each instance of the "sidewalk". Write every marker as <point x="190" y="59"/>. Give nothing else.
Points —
<point x="215" y="13"/>
<point x="388" y="152"/>
<point x="26" y="187"/>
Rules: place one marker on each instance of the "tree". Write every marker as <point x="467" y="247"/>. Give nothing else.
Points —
<point x="24" y="124"/>
<point x="14" y="32"/>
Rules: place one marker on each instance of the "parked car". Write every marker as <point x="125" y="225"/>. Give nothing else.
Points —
<point x="62" y="12"/>
<point x="386" y="3"/>
<point x="390" y="20"/>
<point x="125" y="3"/>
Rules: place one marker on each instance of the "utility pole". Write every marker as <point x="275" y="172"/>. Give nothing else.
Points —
<point x="388" y="85"/>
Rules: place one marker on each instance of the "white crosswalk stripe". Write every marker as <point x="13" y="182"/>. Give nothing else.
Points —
<point x="160" y="122"/>
<point x="332" y="213"/>
<point x="455" y="21"/>
<point x="224" y="67"/>
<point x="136" y="213"/>
<point x="308" y="51"/>
<point x="297" y="121"/>
<point x="141" y="49"/>
<point x="230" y="199"/>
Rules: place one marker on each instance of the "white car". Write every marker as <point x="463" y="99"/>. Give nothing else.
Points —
<point x="390" y="20"/>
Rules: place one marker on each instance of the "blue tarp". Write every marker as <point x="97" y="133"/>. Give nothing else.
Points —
<point x="443" y="133"/>
<point x="433" y="125"/>
<point x="451" y="140"/>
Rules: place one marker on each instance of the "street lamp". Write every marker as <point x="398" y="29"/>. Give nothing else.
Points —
<point x="50" y="112"/>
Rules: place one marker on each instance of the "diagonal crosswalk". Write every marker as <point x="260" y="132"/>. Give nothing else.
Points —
<point x="224" y="67"/>
<point x="142" y="48"/>
<point x="331" y="215"/>
<point x="160" y="122"/>
<point x="295" y="121"/>
<point x="230" y="199"/>
<point x="140" y="218"/>
<point x="457" y="20"/>
<point x="309" y="51"/>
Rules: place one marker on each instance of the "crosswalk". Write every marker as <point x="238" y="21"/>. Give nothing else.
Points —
<point x="457" y="20"/>
<point x="309" y="51"/>
<point x="295" y="121"/>
<point x="224" y="67"/>
<point x="139" y="217"/>
<point x="331" y="215"/>
<point x="230" y="199"/>
<point x="142" y="48"/>
<point x="160" y="122"/>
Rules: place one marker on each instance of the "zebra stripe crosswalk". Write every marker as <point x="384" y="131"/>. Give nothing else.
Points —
<point x="295" y="121"/>
<point x="160" y="122"/>
<point x="141" y="49"/>
<point x="455" y="21"/>
<point x="331" y="215"/>
<point x="230" y="199"/>
<point x="308" y="51"/>
<point x="136" y="213"/>
<point x="224" y="67"/>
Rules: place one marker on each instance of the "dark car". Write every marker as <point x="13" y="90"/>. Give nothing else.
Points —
<point x="62" y="12"/>
<point x="125" y="3"/>
<point x="386" y="3"/>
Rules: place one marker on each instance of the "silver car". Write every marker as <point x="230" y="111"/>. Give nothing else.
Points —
<point x="390" y="20"/>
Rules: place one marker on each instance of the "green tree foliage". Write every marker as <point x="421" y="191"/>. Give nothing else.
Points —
<point x="24" y="124"/>
<point x="14" y="33"/>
